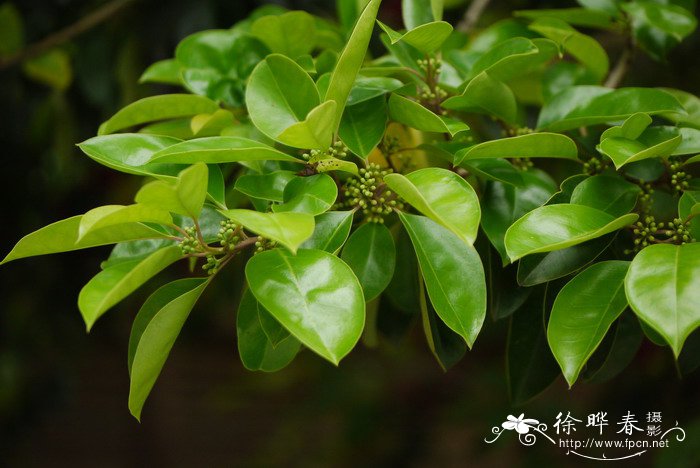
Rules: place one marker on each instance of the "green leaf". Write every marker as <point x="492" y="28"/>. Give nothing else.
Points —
<point x="265" y="186"/>
<point x="314" y="295"/>
<point x="583" y="17"/>
<point x="313" y="195"/>
<point x="274" y="331"/>
<point x="554" y="227"/>
<point x="631" y="129"/>
<point x="623" y="146"/>
<point x="583" y="312"/>
<point x="217" y="63"/>
<point x="281" y="95"/>
<point x="494" y="169"/>
<point x="113" y="284"/>
<point x="657" y="27"/>
<point x="443" y="196"/>
<point x="362" y="126"/>
<point x="582" y="47"/>
<point x="687" y="206"/>
<point x="447" y="346"/>
<point x="163" y="71"/>
<point x="690" y="103"/>
<point x="371" y="254"/>
<point x="611" y="194"/>
<point x="530" y="366"/>
<point x="690" y="138"/>
<point x="62" y="236"/>
<point x="581" y="106"/>
<point x="541" y="268"/>
<point x="505" y="59"/>
<point x="366" y="88"/>
<point x="486" y="95"/>
<point x="134" y="250"/>
<point x="130" y="153"/>
<point x="292" y="34"/>
<point x="222" y="149"/>
<point x="11" y="30"/>
<point x="663" y="289"/>
<point x="153" y="334"/>
<point x="533" y="145"/>
<point x="411" y="113"/>
<point x="502" y="204"/>
<point x="427" y="37"/>
<point x="166" y="106"/>
<point x="186" y="196"/>
<point x="314" y="132"/>
<point x="331" y="230"/>
<point x="255" y="348"/>
<point x="289" y="229"/>
<point x="52" y="68"/>
<point x="625" y="344"/>
<point x="111" y="215"/>
<point x="350" y="60"/>
<point x="459" y="298"/>
<point x="417" y="12"/>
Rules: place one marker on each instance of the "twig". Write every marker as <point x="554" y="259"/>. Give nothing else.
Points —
<point x="472" y="15"/>
<point x="83" y="24"/>
<point x="621" y="67"/>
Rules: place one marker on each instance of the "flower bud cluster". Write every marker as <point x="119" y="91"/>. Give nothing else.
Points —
<point x="679" y="179"/>
<point x="190" y="243"/>
<point x="263" y="244"/>
<point x="369" y="194"/>
<point x="337" y="150"/>
<point x="229" y="235"/>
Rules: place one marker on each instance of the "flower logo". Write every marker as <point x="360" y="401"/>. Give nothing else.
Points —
<point x="521" y="425"/>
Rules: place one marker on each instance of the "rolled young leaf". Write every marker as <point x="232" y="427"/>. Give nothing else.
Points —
<point x="583" y="311"/>
<point x="153" y="334"/>
<point x="453" y="274"/>
<point x="314" y="295"/>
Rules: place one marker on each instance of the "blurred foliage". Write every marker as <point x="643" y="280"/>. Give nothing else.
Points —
<point x="62" y="391"/>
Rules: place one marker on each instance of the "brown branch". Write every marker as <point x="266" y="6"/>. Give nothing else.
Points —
<point x="83" y="24"/>
<point x="621" y="67"/>
<point x="472" y="15"/>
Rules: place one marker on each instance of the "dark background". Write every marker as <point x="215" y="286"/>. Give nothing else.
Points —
<point x="63" y="392"/>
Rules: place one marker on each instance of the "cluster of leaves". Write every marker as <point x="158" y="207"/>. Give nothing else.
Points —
<point x="453" y="176"/>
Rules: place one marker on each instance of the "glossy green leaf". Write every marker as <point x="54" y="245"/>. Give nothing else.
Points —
<point x="131" y="153"/>
<point x="166" y="106"/>
<point x="512" y="58"/>
<point x="690" y="103"/>
<point x="443" y="196"/>
<point x="111" y="215"/>
<point x="625" y="344"/>
<point x="611" y="194"/>
<point x="566" y="189"/>
<point x="314" y="295"/>
<point x="583" y="17"/>
<point x="211" y="124"/>
<point x="659" y="27"/>
<point x="289" y="229"/>
<point x="291" y="34"/>
<point x="351" y="59"/>
<point x="371" y="254"/>
<point x="185" y="196"/>
<point x="222" y="149"/>
<point x="630" y="129"/>
<point x="624" y="151"/>
<point x="335" y="164"/>
<point x="533" y="145"/>
<point x="313" y="195"/>
<point x="255" y="348"/>
<point x="581" y="106"/>
<point x="280" y="96"/>
<point x="583" y="312"/>
<point x="663" y="289"/>
<point x="453" y="274"/>
<point x="554" y="227"/>
<point x="494" y="169"/>
<point x="62" y="236"/>
<point x="417" y="12"/>
<point x="217" y="63"/>
<point x="113" y="284"/>
<point x="541" y="268"/>
<point x="134" y="250"/>
<point x="265" y="186"/>
<point x="331" y="231"/>
<point x="690" y="138"/>
<point x="427" y="37"/>
<point x="370" y="87"/>
<point x="163" y="71"/>
<point x="153" y="334"/>
<point x="411" y="113"/>
<point x="274" y="330"/>
<point x="362" y="126"/>
<point x="582" y="47"/>
<point x="486" y="95"/>
<point x="689" y="207"/>
<point x="502" y="204"/>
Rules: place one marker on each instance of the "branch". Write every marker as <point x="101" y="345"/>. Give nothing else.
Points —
<point x="617" y="74"/>
<point x="472" y="15"/>
<point x="84" y="24"/>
